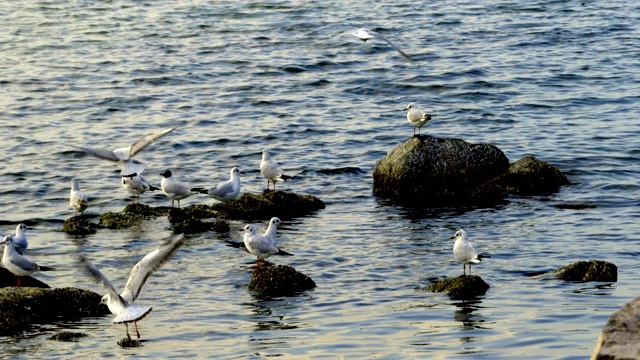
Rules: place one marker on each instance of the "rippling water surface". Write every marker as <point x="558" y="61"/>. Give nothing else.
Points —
<point x="557" y="79"/>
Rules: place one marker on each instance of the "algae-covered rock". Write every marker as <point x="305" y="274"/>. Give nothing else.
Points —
<point x="194" y="226"/>
<point x="583" y="271"/>
<point x="119" y="220"/>
<point x="145" y="210"/>
<point x="77" y="225"/>
<point x="620" y="338"/>
<point x="279" y="280"/>
<point x="461" y="287"/>
<point x="199" y="211"/>
<point x="67" y="336"/>
<point x="28" y="305"/>
<point x="8" y="279"/>
<point x="529" y="176"/>
<point x="127" y="343"/>
<point x="269" y="203"/>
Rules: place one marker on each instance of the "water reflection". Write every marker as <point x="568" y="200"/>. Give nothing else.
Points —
<point x="465" y="315"/>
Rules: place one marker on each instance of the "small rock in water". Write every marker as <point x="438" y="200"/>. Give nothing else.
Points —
<point x="461" y="287"/>
<point x="279" y="280"/>
<point x="126" y="342"/>
<point x="77" y="225"/>
<point x="67" y="336"/>
<point x="269" y="203"/>
<point x="145" y="210"/>
<point x="121" y="220"/>
<point x="583" y="271"/>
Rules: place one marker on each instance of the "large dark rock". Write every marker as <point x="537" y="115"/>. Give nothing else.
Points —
<point x="583" y="271"/>
<point x="8" y="279"/>
<point x="429" y="171"/>
<point x="461" y="287"/>
<point x="620" y="338"/>
<point x="279" y="280"/>
<point x="23" y="306"/>
<point x="78" y="225"/>
<point x="269" y="203"/>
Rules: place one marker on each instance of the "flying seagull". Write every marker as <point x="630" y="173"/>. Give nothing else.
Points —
<point x="366" y="34"/>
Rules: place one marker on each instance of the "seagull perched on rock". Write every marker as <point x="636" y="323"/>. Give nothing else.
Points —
<point x="226" y="190"/>
<point x="464" y="251"/>
<point x="270" y="170"/>
<point x="136" y="185"/>
<point x="77" y="200"/>
<point x="270" y="233"/>
<point x="174" y="189"/>
<point x="124" y="156"/>
<point x="122" y="305"/>
<point x="16" y="263"/>
<point x="20" y="238"/>
<point x="416" y="117"/>
<point x="366" y="34"/>
<point x="259" y="245"/>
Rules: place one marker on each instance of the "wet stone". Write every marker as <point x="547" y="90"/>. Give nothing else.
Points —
<point x="584" y="271"/>
<point x="461" y="287"/>
<point x="145" y="210"/>
<point x="128" y="343"/>
<point x="194" y="226"/>
<point x="77" y="225"/>
<point x="269" y="203"/>
<point x="8" y="279"/>
<point x="279" y="280"/>
<point x="119" y="220"/>
<point x="67" y="336"/>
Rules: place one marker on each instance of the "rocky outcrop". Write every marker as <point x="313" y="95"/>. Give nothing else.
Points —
<point x="268" y="204"/>
<point x="188" y="220"/>
<point x="279" y="280"/>
<point x="67" y="336"/>
<point x="23" y="306"/>
<point x="620" y="338"/>
<point x="431" y="171"/>
<point x="583" y="271"/>
<point x="77" y="225"/>
<point x="8" y="279"/>
<point x="461" y="287"/>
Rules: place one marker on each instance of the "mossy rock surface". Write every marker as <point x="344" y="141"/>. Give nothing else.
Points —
<point x="529" y="176"/>
<point x="269" y="203"/>
<point x="23" y="306"/>
<point x="194" y="226"/>
<point x="279" y="280"/>
<point x="120" y="220"/>
<point x="67" y="336"/>
<point x="461" y="287"/>
<point x="620" y="338"/>
<point x="583" y="271"/>
<point x="145" y="210"/>
<point x="78" y="225"/>
<point x="129" y="343"/>
<point x="8" y="279"/>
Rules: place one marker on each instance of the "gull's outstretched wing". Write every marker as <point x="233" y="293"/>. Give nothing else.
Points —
<point x="384" y="38"/>
<point x="99" y="278"/>
<point x="99" y="153"/>
<point x="146" y="140"/>
<point x="150" y="263"/>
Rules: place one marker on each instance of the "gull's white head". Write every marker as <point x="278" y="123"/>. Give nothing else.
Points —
<point x="21" y="229"/>
<point x="460" y="234"/>
<point x="249" y="229"/>
<point x="410" y="106"/>
<point x="8" y="240"/>
<point x="105" y="299"/>
<point x="266" y="154"/>
<point x="235" y="172"/>
<point x="274" y="221"/>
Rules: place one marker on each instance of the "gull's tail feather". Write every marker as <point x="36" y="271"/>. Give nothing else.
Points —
<point x="283" y="253"/>
<point x="132" y="313"/>
<point x="153" y="188"/>
<point x="200" y="190"/>
<point x="46" y="268"/>
<point x="482" y="256"/>
<point x="285" y="177"/>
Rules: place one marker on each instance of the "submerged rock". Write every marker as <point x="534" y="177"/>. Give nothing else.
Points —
<point x="279" y="280"/>
<point x="461" y="287"/>
<point x="67" y="336"/>
<point x="583" y="271"/>
<point x="620" y="338"/>
<point x="23" y="306"/>
<point x="121" y="220"/>
<point x="268" y="204"/>
<point x="188" y="220"/>
<point x="127" y="343"/>
<point x="145" y="210"/>
<point x="8" y="279"/>
<point x="429" y="171"/>
<point x="77" y="225"/>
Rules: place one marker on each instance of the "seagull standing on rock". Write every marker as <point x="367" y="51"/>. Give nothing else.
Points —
<point x="464" y="252"/>
<point x="77" y="199"/>
<point x="270" y="170"/>
<point x="270" y="233"/>
<point x="16" y="263"/>
<point x="416" y="117"/>
<point x="136" y="185"/>
<point x="259" y="245"/>
<point x="226" y="190"/>
<point x="175" y="190"/>
<point x="20" y="238"/>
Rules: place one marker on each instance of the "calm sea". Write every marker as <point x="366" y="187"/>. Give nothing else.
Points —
<point x="556" y="79"/>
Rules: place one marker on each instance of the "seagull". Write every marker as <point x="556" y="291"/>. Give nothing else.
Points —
<point x="270" y="170"/>
<point x="136" y="185"/>
<point x="77" y="200"/>
<point x="365" y="34"/>
<point x="174" y="189"/>
<point x="271" y="231"/>
<point x="16" y="263"/>
<point x="20" y="238"/>
<point x="121" y="305"/>
<point x="259" y="245"/>
<point x="464" y="251"/>
<point x="226" y="190"/>
<point x="416" y="117"/>
<point x="124" y="156"/>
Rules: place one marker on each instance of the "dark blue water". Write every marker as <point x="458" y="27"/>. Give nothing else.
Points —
<point x="556" y="79"/>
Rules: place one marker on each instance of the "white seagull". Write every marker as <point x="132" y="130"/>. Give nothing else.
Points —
<point x="365" y="34"/>
<point x="136" y="185"/>
<point x="175" y="190"/>
<point x="20" y="238"/>
<point x="77" y="200"/>
<point x="271" y="231"/>
<point x="416" y="117"/>
<point x="16" y="263"/>
<point x="259" y="245"/>
<point x="270" y="170"/>
<point x="124" y="156"/>
<point x="121" y="305"/>
<point x="226" y="190"/>
<point x="464" y="251"/>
